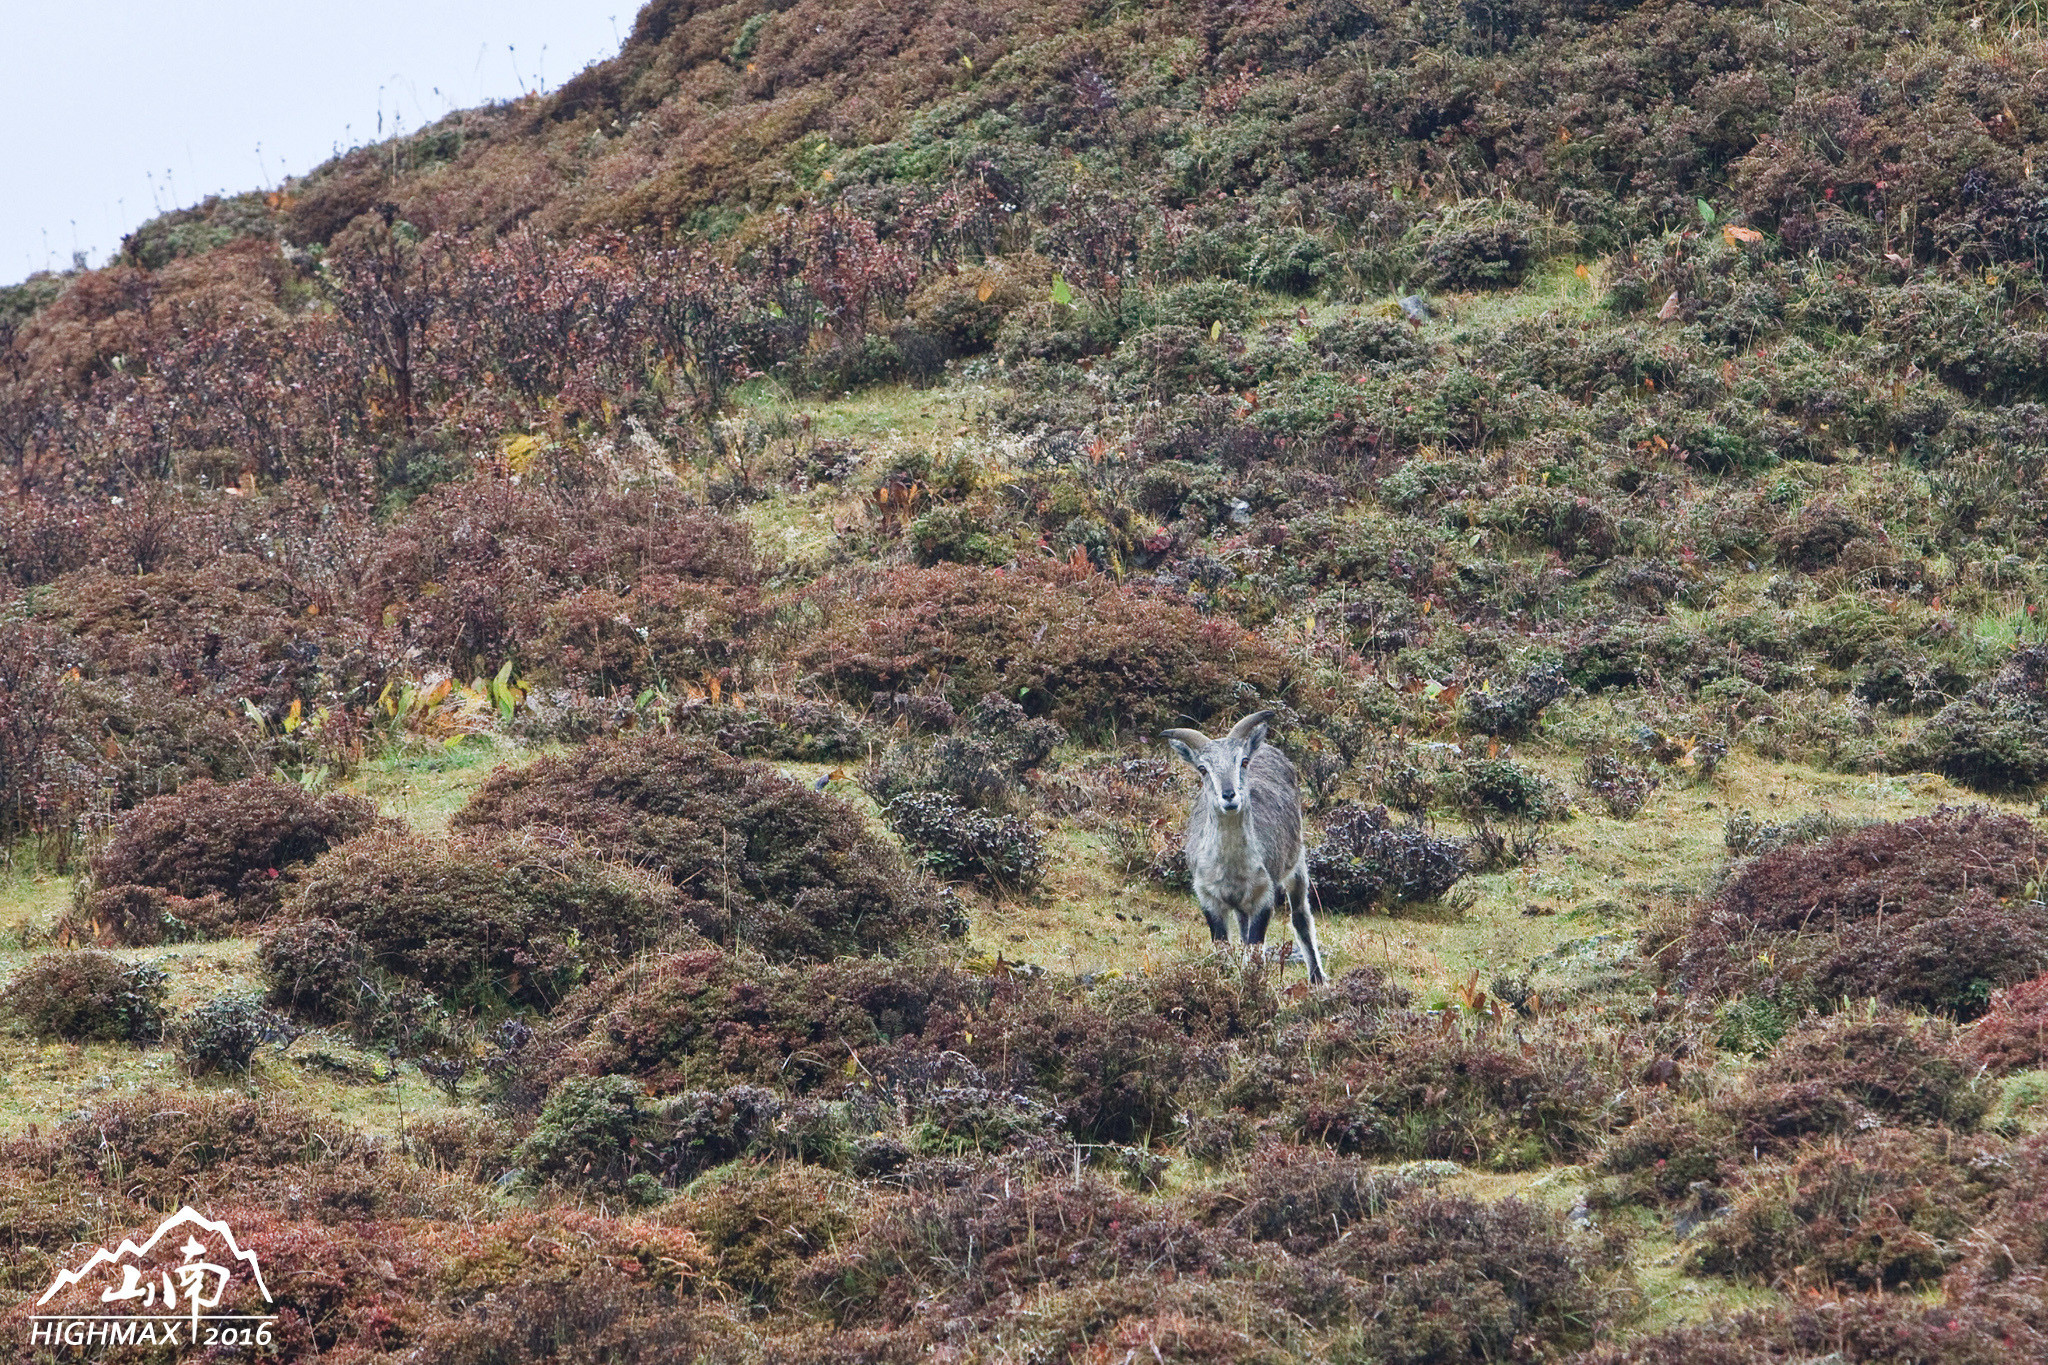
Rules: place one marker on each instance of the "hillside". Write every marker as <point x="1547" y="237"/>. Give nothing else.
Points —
<point x="580" y="696"/>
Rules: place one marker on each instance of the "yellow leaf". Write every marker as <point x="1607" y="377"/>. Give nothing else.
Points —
<point x="1734" y="235"/>
<point x="1581" y="271"/>
<point x="983" y="293"/>
<point x="1216" y="330"/>
<point x="292" y="717"/>
<point x="825" y="174"/>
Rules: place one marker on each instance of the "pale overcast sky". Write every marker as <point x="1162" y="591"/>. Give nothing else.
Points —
<point x="115" y="109"/>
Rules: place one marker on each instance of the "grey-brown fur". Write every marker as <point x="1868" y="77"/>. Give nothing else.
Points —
<point x="1244" y="836"/>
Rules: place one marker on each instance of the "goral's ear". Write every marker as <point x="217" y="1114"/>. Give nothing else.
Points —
<point x="1189" y="744"/>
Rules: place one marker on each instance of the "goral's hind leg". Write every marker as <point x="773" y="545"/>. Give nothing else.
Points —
<point x="1304" y="925"/>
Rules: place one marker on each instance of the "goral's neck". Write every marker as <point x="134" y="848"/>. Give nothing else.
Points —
<point x="1233" y="829"/>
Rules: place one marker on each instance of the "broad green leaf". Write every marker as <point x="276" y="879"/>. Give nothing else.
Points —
<point x="1061" y="294"/>
<point x="1706" y="211"/>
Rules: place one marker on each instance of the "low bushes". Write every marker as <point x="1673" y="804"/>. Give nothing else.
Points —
<point x="1878" y="1210"/>
<point x="766" y="862"/>
<point x="223" y="1033"/>
<point x="954" y="800"/>
<point x="1932" y="911"/>
<point x="1365" y="859"/>
<point x="1093" y="655"/>
<point x="234" y="842"/>
<point x="2013" y="1034"/>
<point x="87" y="996"/>
<point x="1831" y="1078"/>
<point x="477" y="920"/>
<point x="1994" y="737"/>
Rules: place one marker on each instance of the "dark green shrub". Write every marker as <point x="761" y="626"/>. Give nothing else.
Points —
<point x="1365" y="859"/>
<point x="961" y="535"/>
<point x="1173" y="360"/>
<point x="762" y="861"/>
<point x="980" y="769"/>
<point x="957" y="842"/>
<point x="1482" y="243"/>
<point x="586" y="1132"/>
<point x="1995" y="737"/>
<point x="1620" y="786"/>
<point x="763" y="1225"/>
<point x="687" y="1134"/>
<point x="1367" y="339"/>
<point x="1746" y="836"/>
<point x="1501" y="786"/>
<point x="235" y="841"/>
<point x="482" y="920"/>
<point x="223" y="1034"/>
<point x="87" y="996"/>
<point x="1510" y="709"/>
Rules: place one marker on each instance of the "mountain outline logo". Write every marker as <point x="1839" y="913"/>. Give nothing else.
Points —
<point x="148" y="1280"/>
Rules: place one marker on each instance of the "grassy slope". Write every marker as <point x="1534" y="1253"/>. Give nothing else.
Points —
<point x="1590" y="878"/>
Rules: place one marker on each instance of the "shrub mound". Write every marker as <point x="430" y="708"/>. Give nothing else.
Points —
<point x="2013" y="1034"/>
<point x="769" y="863"/>
<point x="233" y="841"/>
<point x="1877" y="1210"/>
<point x="1995" y="736"/>
<point x="954" y="800"/>
<point x="1831" y="1078"/>
<point x="1094" y="655"/>
<point x="478" y="920"/>
<point x="87" y="996"/>
<point x="1928" y="912"/>
<point x="222" y="1034"/>
<point x="1365" y="859"/>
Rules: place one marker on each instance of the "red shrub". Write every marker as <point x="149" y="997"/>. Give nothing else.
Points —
<point x="476" y="570"/>
<point x="2013" y="1034"/>
<point x="1093" y="654"/>
<point x="235" y="841"/>
<point x="1877" y="1211"/>
<point x="1927" y="911"/>
<point x="782" y="869"/>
